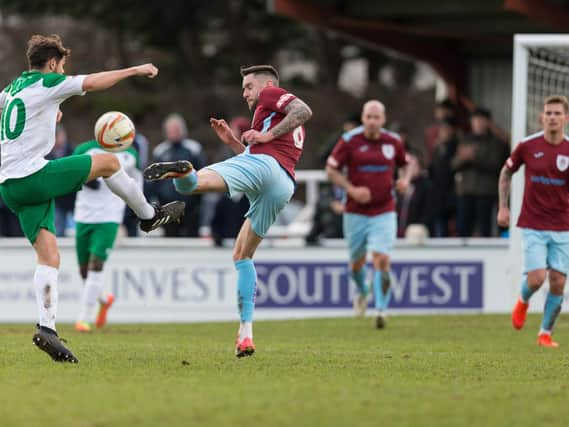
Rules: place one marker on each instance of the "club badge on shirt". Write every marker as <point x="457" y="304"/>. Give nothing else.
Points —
<point x="562" y="162"/>
<point x="388" y="151"/>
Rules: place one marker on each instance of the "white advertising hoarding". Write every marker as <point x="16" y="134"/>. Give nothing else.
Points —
<point x="161" y="280"/>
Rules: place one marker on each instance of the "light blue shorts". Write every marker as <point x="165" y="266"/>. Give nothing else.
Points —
<point x="370" y="233"/>
<point x="545" y="249"/>
<point x="265" y="183"/>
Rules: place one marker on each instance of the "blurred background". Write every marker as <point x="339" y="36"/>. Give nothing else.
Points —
<point x="442" y="68"/>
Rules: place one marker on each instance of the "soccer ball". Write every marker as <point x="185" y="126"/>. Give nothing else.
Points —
<point x="114" y="131"/>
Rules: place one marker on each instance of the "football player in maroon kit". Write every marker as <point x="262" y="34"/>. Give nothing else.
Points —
<point x="544" y="218"/>
<point x="263" y="171"/>
<point x="371" y="155"/>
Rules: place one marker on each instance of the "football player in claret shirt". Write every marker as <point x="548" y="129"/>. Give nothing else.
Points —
<point x="544" y="217"/>
<point x="370" y="155"/>
<point x="29" y="183"/>
<point x="263" y="171"/>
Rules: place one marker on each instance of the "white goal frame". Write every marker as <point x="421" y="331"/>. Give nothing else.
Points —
<point x="522" y="42"/>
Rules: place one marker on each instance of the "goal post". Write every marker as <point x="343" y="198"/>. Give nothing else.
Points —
<point x="540" y="69"/>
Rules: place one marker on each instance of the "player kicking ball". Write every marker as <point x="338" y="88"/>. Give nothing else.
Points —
<point x="98" y="215"/>
<point x="263" y="171"/>
<point x="29" y="183"/>
<point x="544" y="218"/>
<point x="371" y="156"/>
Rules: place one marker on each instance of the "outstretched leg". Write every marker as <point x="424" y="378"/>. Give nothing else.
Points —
<point x="186" y="179"/>
<point x="152" y="217"/>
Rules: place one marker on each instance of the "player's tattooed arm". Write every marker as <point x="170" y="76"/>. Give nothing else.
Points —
<point x="504" y="183"/>
<point x="297" y="113"/>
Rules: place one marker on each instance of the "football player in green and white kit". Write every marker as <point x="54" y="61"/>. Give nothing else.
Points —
<point x="98" y="215"/>
<point x="29" y="183"/>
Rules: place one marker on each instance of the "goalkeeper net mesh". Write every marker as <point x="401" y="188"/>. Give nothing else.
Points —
<point x="548" y="74"/>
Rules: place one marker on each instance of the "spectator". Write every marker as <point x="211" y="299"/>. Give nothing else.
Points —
<point x="352" y="121"/>
<point x="178" y="146"/>
<point x="327" y="216"/>
<point x="477" y="163"/>
<point x="415" y="205"/>
<point x="444" y="110"/>
<point x="443" y="196"/>
<point x="224" y="213"/>
<point x="64" y="205"/>
<point x="228" y="217"/>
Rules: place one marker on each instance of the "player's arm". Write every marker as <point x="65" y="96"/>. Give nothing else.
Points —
<point x="296" y="114"/>
<point x="511" y="165"/>
<point x="226" y="135"/>
<point x="107" y="79"/>
<point x="361" y="195"/>
<point x="406" y="173"/>
<point x="504" y="184"/>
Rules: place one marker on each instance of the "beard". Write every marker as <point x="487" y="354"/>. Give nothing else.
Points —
<point x="253" y="105"/>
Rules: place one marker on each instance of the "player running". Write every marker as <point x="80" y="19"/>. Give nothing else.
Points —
<point x="263" y="171"/>
<point x="544" y="218"/>
<point x="29" y="183"/>
<point x="371" y="155"/>
<point x="98" y="215"/>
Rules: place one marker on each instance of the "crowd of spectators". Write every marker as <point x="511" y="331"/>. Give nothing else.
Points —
<point x="453" y="190"/>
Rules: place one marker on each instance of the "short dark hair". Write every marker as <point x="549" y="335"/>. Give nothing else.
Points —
<point x="481" y="112"/>
<point x="43" y="48"/>
<point x="557" y="99"/>
<point x="445" y="103"/>
<point x="448" y="121"/>
<point x="268" y="70"/>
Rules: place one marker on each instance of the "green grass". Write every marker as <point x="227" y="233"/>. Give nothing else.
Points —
<point x="420" y="371"/>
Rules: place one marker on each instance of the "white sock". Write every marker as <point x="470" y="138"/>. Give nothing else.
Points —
<point x="91" y="292"/>
<point x="246" y="330"/>
<point x="127" y="189"/>
<point x="45" y="284"/>
<point x="543" y="331"/>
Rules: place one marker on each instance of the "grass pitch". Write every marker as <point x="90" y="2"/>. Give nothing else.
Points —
<point x="420" y="371"/>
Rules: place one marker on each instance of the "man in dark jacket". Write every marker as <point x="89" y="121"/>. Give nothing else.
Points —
<point x="477" y="163"/>
<point x="178" y="146"/>
<point x="443" y="196"/>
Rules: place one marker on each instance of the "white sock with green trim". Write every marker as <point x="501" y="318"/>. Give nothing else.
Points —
<point x="127" y="189"/>
<point x="90" y="297"/>
<point x="45" y="284"/>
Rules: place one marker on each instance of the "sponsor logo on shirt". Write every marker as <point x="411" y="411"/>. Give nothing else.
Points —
<point x="364" y="148"/>
<point x="562" y="162"/>
<point x="547" y="181"/>
<point x="388" y="151"/>
<point x="538" y="155"/>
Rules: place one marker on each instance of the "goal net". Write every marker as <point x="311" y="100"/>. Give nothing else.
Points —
<point x="541" y="68"/>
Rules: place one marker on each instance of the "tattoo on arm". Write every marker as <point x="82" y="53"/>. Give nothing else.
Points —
<point x="504" y="183"/>
<point x="297" y="113"/>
